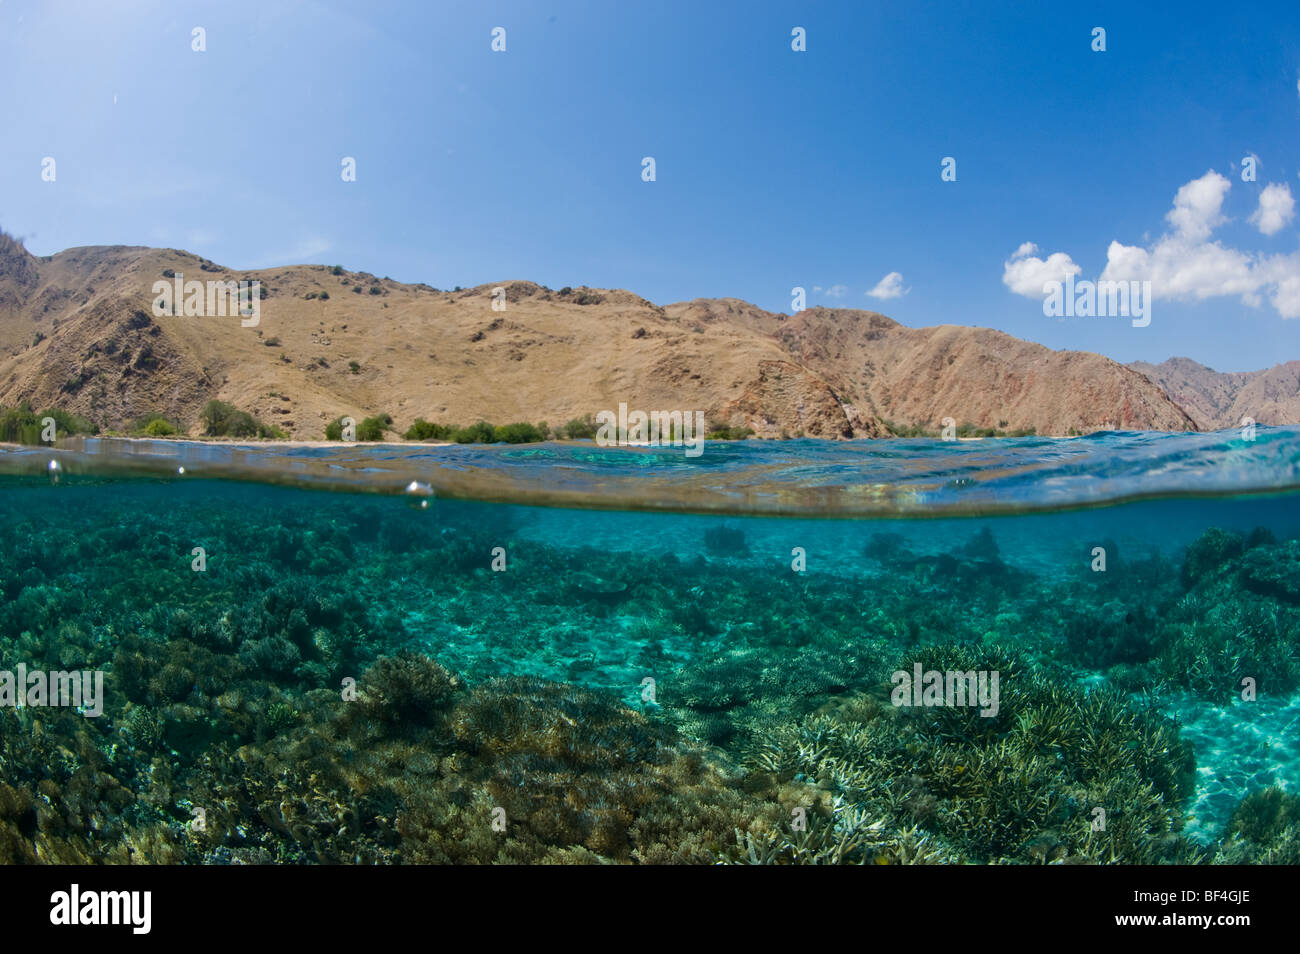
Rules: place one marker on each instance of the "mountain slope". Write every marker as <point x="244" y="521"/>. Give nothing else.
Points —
<point x="77" y="330"/>
<point x="1217" y="399"/>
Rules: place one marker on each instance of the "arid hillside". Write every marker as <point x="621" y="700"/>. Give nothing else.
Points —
<point x="1217" y="399"/>
<point x="78" y="331"/>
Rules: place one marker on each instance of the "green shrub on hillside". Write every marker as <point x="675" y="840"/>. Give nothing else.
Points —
<point x="372" y="428"/>
<point x="423" y="430"/>
<point x="160" y="427"/>
<point x="731" y="433"/>
<point x="480" y="432"/>
<point x="22" y="425"/>
<point x="367" y="429"/>
<point x="519" y="433"/>
<point x="220" y="419"/>
<point x="155" y="425"/>
<point x="580" y="428"/>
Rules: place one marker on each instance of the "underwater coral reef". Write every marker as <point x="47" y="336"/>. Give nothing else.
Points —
<point x="345" y="679"/>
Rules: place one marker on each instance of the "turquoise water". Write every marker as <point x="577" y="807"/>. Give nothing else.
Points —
<point x="336" y="654"/>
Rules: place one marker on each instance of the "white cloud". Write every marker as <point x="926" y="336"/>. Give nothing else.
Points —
<point x="1186" y="265"/>
<point x="836" y="291"/>
<point x="1286" y="298"/>
<point x="1026" y="274"/>
<point x="1276" y="208"/>
<point x="1178" y="268"/>
<point x="1197" y="206"/>
<point x="1283" y="273"/>
<point x="891" y="286"/>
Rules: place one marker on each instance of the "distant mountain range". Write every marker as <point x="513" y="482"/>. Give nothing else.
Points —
<point x="1215" y="399"/>
<point x="78" y="331"/>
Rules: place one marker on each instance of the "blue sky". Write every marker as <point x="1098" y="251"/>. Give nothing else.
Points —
<point x="774" y="168"/>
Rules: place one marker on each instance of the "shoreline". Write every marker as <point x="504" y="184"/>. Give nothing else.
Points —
<point x="281" y="442"/>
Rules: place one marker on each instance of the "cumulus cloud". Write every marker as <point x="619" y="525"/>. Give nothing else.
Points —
<point x="1198" y="206"/>
<point x="1276" y="208"/>
<point x="1185" y="264"/>
<point x="836" y="291"/>
<point x="891" y="286"/>
<point x="1026" y="274"/>
<point x="1281" y="275"/>
<point x="1177" y="268"/>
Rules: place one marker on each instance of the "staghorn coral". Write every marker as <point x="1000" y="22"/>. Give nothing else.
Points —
<point x="407" y="690"/>
<point x="1236" y="622"/>
<point x="1018" y="787"/>
<point x="222" y="693"/>
<point x="578" y="777"/>
<point x="1224" y="617"/>
<point x="1264" y="830"/>
<point x="69" y="795"/>
<point x="848" y="836"/>
<point x="1208" y="553"/>
<point x="1273" y="570"/>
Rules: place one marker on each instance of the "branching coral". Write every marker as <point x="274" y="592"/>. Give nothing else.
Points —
<point x="1264" y="829"/>
<point x="525" y="741"/>
<point x="1021" y="786"/>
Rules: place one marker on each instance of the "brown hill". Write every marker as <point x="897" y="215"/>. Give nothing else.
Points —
<point x="919" y="376"/>
<point x="77" y="331"/>
<point x="1217" y="399"/>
